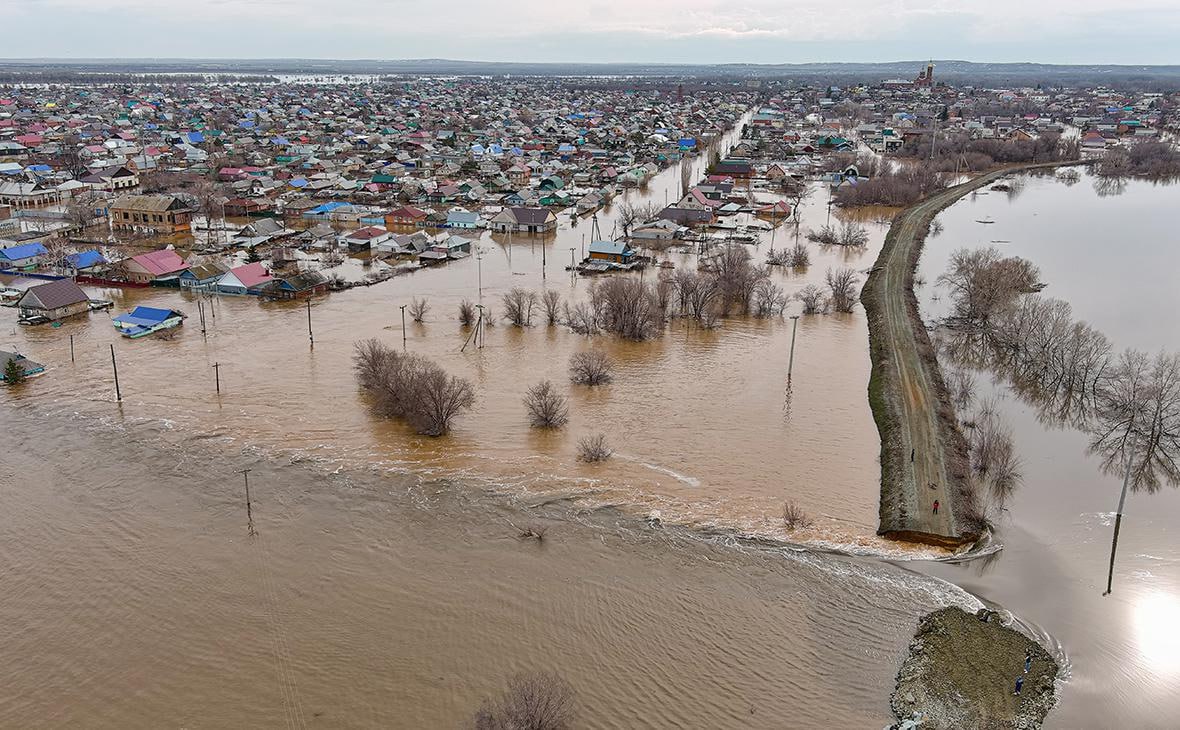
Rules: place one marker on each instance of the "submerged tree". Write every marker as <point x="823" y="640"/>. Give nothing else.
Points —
<point x="536" y="701"/>
<point x="411" y="387"/>
<point x="547" y="408"/>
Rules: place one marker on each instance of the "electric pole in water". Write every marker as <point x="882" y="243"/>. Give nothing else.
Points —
<point x="310" y="335"/>
<point x="115" y="367"/>
<point x="1118" y="521"/>
<point x="791" y="361"/>
<point x="217" y="376"/>
<point x="403" y="327"/>
<point x="249" y="512"/>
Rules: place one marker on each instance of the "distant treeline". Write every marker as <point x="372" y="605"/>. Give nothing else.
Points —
<point x="1152" y="78"/>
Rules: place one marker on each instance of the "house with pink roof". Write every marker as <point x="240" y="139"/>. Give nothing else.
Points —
<point x="153" y="266"/>
<point x="246" y="279"/>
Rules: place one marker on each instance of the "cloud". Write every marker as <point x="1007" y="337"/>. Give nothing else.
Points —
<point x="601" y="30"/>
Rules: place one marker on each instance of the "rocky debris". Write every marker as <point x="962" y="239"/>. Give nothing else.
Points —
<point x="961" y="673"/>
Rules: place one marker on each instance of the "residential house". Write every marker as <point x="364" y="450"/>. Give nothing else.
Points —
<point x="203" y="277"/>
<point x="22" y="256"/>
<point x="54" y="300"/>
<point x="111" y="179"/>
<point x="153" y="266"/>
<point x="407" y="215"/>
<point x="660" y="229"/>
<point x="27" y="367"/>
<point x="245" y="279"/>
<point x="159" y="213"/>
<point x="617" y="252"/>
<point x="524" y="220"/>
<point x="298" y="286"/>
<point x="462" y="218"/>
<point x="28" y="194"/>
<point x="364" y="239"/>
<point x="84" y="262"/>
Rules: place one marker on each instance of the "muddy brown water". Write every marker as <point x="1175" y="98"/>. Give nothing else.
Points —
<point x="386" y="585"/>
<point x="1113" y="258"/>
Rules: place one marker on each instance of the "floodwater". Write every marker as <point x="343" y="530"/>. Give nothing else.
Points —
<point x="705" y="429"/>
<point x="1113" y="257"/>
<point x="386" y="585"/>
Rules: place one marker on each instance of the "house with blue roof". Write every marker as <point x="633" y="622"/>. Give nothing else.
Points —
<point x="23" y="256"/>
<point x="83" y="261"/>
<point x="616" y="252"/>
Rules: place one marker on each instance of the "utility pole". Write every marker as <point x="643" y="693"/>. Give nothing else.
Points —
<point x="115" y="367"/>
<point x="479" y="270"/>
<point x="791" y="361"/>
<point x="71" y="348"/>
<point x="1118" y="521"/>
<point x="573" y="267"/>
<point x="310" y="334"/>
<point x="217" y="376"/>
<point x="542" y="260"/>
<point x="479" y="328"/>
<point x="403" y="327"/>
<point x="201" y="310"/>
<point x="249" y="512"/>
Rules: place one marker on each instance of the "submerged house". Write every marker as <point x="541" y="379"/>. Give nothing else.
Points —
<point x="22" y="256"/>
<point x="159" y="213"/>
<point x="616" y="252"/>
<point x="53" y="301"/>
<point x="246" y="279"/>
<point x="143" y="321"/>
<point x="202" y="277"/>
<point x="524" y="220"/>
<point x="27" y="366"/>
<point x="297" y="286"/>
<point x="153" y="266"/>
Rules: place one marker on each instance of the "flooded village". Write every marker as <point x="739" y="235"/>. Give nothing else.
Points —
<point x="502" y="369"/>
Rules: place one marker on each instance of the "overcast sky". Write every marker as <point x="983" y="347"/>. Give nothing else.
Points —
<point x="674" y="31"/>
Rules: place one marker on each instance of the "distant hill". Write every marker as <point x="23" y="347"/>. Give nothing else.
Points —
<point x="951" y="70"/>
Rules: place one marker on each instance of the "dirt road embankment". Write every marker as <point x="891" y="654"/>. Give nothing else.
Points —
<point x="924" y="455"/>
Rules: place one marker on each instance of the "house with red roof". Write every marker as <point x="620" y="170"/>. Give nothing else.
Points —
<point x="153" y="266"/>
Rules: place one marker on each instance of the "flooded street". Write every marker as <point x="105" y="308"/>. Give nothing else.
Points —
<point x="387" y="585"/>
<point x="1113" y="258"/>
<point x="705" y="430"/>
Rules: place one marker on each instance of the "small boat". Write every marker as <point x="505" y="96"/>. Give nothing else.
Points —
<point x="98" y="305"/>
<point x="985" y="220"/>
<point x="143" y="321"/>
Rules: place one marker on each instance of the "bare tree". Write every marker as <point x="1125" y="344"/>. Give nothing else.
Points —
<point x="551" y="301"/>
<point x="535" y="701"/>
<point x="736" y="278"/>
<point x="799" y="257"/>
<point x="590" y="367"/>
<point x="519" y="305"/>
<point x="982" y="283"/>
<point x="466" y="313"/>
<point x="769" y="300"/>
<point x="848" y="234"/>
<point x="994" y="462"/>
<point x="411" y="387"/>
<point x="814" y="300"/>
<point x="547" y="408"/>
<point x="626" y="307"/>
<point x="592" y="449"/>
<point x="794" y="518"/>
<point x="685" y="177"/>
<point x="418" y="308"/>
<point x="842" y="289"/>
<point x="633" y="214"/>
<point x="581" y="318"/>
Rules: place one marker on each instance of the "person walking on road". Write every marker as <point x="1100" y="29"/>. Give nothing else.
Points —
<point x="936" y="506"/>
<point x="1019" y="684"/>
